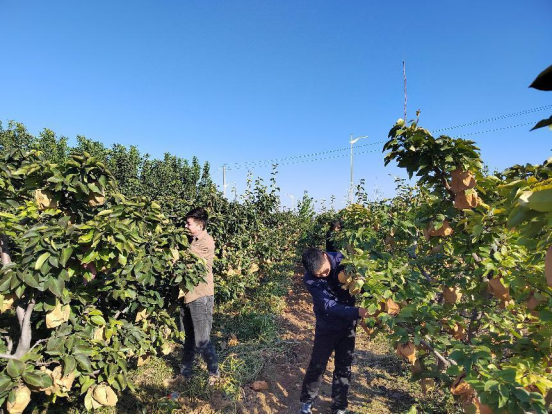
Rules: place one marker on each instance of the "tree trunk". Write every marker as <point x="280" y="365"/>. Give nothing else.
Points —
<point x="4" y="250"/>
<point x="26" y="332"/>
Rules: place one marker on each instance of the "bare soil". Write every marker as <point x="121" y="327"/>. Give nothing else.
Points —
<point x="380" y="382"/>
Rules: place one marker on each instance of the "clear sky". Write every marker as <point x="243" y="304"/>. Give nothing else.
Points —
<point x="240" y="81"/>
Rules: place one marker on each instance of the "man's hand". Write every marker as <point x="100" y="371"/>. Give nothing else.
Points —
<point x="363" y="313"/>
<point x="368" y="331"/>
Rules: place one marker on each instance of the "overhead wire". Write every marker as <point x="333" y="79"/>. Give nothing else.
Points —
<point x="496" y="118"/>
<point x="281" y="160"/>
<point x="498" y="129"/>
<point x="308" y="157"/>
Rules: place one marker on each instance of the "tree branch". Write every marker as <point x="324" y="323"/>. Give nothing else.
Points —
<point x="24" y="344"/>
<point x="446" y="362"/>
<point x="414" y="256"/>
<point x="441" y="176"/>
<point x="122" y="310"/>
<point x="46" y="363"/>
<point x="40" y="341"/>
<point x="4" y="250"/>
<point x="20" y="312"/>
<point x="475" y="316"/>
<point x="8" y="356"/>
<point x="9" y="344"/>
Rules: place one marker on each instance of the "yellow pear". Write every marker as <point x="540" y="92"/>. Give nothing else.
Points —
<point x="7" y="304"/>
<point x="104" y="395"/>
<point x="407" y="351"/>
<point x="22" y="399"/>
<point x="58" y="315"/>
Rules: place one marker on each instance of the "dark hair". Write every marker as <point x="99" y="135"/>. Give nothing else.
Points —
<point x="200" y="215"/>
<point x="334" y="224"/>
<point x="313" y="259"/>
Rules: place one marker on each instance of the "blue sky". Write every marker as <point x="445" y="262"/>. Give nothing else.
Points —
<point x="239" y="81"/>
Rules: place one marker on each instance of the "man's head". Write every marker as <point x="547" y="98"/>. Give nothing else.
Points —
<point x="335" y="225"/>
<point x="316" y="262"/>
<point x="196" y="221"/>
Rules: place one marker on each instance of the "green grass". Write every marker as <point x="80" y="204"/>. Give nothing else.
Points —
<point x="253" y="320"/>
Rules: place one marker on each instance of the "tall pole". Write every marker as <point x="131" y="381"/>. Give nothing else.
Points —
<point x="405" y="95"/>
<point x="351" y="185"/>
<point x="224" y="180"/>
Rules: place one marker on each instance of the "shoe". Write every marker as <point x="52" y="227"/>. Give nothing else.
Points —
<point x="214" y="379"/>
<point x="306" y="408"/>
<point x="186" y="371"/>
<point x="174" y="383"/>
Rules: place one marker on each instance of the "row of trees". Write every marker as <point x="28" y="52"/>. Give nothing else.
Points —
<point x="458" y="270"/>
<point x="453" y="269"/>
<point x="94" y="256"/>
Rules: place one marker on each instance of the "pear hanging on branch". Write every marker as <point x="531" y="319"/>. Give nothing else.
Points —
<point x="58" y="315"/>
<point x="465" y="200"/>
<point x="443" y="231"/>
<point x="21" y="398"/>
<point x="45" y="200"/>
<point x="407" y="351"/>
<point x="462" y="180"/>
<point x="451" y="294"/>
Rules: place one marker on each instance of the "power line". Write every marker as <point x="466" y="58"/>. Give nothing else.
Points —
<point x="496" y="118"/>
<point x="280" y="161"/>
<point x="499" y="129"/>
<point x="305" y="157"/>
<point x="312" y="160"/>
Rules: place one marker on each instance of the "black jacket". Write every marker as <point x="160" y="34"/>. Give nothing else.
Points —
<point x="334" y="307"/>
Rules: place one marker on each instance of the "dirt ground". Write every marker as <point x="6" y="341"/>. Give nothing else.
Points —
<point x="380" y="382"/>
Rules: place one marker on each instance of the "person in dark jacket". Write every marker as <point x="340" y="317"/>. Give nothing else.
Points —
<point x="335" y="226"/>
<point x="335" y="331"/>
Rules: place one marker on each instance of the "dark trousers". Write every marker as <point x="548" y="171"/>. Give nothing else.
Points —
<point x="326" y="342"/>
<point x="196" y="321"/>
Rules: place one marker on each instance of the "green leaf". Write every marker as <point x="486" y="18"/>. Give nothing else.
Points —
<point x="56" y="285"/>
<point x="89" y="257"/>
<point x="491" y="385"/>
<point x="65" y="255"/>
<point x="522" y="394"/>
<point x="503" y="396"/>
<point x="84" y="362"/>
<point x="88" y="400"/>
<point x="6" y="383"/>
<point x="15" y="368"/>
<point x="37" y="379"/>
<point x="543" y="81"/>
<point x="540" y="200"/>
<point x="82" y="348"/>
<point x="53" y="260"/>
<point x="6" y="281"/>
<point x="43" y="257"/>
<point x="86" y="238"/>
<point x="70" y="364"/>
<point x="520" y="214"/>
<point x="98" y="320"/>
<point x="87" y="384"/>
<point x="542" y="123"/>
<point x="30" y="280"/>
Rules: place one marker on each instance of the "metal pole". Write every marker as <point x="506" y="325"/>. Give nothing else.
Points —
<point x="224" y="180"/>
<point x="351" y="186"/>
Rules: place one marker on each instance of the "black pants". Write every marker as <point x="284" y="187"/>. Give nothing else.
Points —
<point x="196" y="320"/>
<point x="326" y="342"/>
